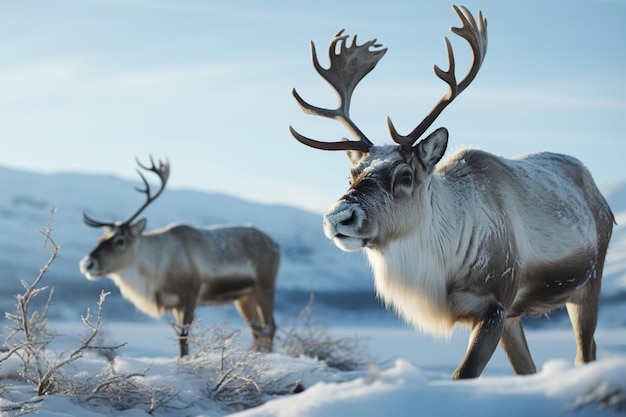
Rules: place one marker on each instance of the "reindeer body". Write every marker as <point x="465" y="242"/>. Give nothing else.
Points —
<point x="180" y="267"/>
<point x="526" y="233"/>
<point x="476" y="240"/>
<point x="181" y="264"/>
<point x="481" y="242"/>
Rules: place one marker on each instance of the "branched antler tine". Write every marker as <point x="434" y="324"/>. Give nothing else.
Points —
<point x="449" y="76"/>
<point x="152" y="166"/>
<point x="311" y="109"/>
<point x="475" y="33"/>
<point x="343" y="81"/>
<point x="343" y="145"/>
<point x="163" y="172"/>
<point x="94" y="223"/>
<point x="146" y="189"/>
<point x="349" y="63"/>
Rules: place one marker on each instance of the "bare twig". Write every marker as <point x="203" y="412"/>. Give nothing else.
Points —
<point x="44" y="385"/>
<point x="28" y="336"/>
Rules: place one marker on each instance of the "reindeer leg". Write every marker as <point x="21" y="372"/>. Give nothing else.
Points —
<point x="184" y="318"/>
<point x="582" y="309"/>
<point x="265" y="311"/>
<point x="483" y="341"/>
<point x="268" y="329"/>
<point x="246" y="306"/>
<point x="513" y="343"/>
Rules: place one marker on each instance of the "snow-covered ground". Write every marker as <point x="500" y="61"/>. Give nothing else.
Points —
<point x="411" y="376"/>
<point x="408" y="373"/>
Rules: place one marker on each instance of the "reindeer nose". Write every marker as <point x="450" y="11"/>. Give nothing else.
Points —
<point x="340" y="217"/>
<point x="344" y="224"/>
<point x="351" y="217"/>
<point x="87" y="264"/>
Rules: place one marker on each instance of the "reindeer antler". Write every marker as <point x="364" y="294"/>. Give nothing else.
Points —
<point x="347" y="68"/>
<point x="352" y="63"/>
<point x="475" y="33"/>
<point x="162" y="171"/>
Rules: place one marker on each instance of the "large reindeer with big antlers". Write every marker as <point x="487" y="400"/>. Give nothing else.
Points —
<point x="180" y="267"/>
<point x="476" y="240"/>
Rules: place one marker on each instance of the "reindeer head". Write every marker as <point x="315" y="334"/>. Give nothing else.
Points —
<point x="387" y="182"/>
<point x="116" y="248"/>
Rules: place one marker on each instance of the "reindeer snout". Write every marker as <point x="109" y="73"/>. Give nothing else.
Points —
<point x="343" y="223"/>
<point x="341" y="216"/>
<point x="88" y="265"/>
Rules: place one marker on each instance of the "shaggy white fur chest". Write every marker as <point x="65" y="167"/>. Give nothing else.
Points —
<point x="412" y="281"/>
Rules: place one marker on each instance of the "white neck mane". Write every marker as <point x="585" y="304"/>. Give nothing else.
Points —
<point x="138" y="290"/>
<point x="411" y="272"/>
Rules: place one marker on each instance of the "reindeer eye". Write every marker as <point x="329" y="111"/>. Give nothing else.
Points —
<point x="405" y="178"/>
<point x="119" y="242"/>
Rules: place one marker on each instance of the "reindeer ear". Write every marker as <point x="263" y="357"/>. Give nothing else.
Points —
<point x="355" y="156"/>
<point x="429" y="151"/>
<point x="138" y="227"/>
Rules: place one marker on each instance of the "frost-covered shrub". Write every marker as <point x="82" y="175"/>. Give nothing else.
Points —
<point x="311" y="339"/>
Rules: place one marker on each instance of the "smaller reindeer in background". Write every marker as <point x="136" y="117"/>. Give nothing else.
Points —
<point x="180" y="267"/>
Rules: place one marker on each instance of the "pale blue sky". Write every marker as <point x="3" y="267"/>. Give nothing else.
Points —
<point x="85" y="86"/>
